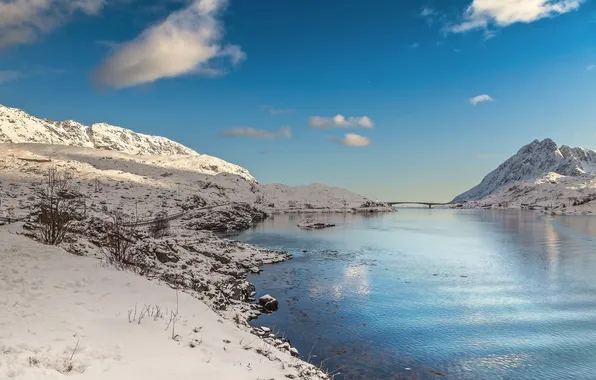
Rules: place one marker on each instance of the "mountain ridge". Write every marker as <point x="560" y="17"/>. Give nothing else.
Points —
<point x="17" y="126"/>
<point x="532" y="162"/>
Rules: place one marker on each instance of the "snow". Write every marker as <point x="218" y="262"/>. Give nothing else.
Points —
<point x="541" y="176"/>
<point x="59" y="304"/>
<point x="146" y="184"/>
<point x="532" y="162"/>
<point x="16" y="126"/>
<point x="67" y="315"/>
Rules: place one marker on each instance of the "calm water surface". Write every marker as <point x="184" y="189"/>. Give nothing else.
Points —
<point x="424" y="293"/>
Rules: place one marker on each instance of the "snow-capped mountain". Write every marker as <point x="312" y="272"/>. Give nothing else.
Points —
<point x="17" y="126"/>
<point x="533" y="162"/>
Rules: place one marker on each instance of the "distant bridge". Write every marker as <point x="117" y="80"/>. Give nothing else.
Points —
<point x="429" y="204"/>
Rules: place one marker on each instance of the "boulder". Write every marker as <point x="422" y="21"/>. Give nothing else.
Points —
<point x="269" y="303"/>
<point x="294" y="352"/>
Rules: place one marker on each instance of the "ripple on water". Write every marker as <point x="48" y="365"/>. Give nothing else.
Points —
<point x="468" y="295"/>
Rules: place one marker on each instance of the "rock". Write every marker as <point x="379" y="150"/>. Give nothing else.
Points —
<point x="269" y="303"/>
<point x="311" y="224"/>
<point x="294" y="352"/>
<point x="285" y="346"/>
<point x="265" y="329"/>
<point x="255" y="270"/>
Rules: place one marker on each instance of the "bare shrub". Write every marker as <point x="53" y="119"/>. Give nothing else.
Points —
<point x="160" y="226"/>
<point x="58" y="208"/>
<point x="119" y="243"/>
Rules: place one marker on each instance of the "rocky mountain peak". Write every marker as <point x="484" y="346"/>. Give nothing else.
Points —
<point x="533" y="161"/>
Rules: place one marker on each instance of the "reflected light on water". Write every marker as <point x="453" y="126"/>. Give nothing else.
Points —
<point x="468" y="294"/>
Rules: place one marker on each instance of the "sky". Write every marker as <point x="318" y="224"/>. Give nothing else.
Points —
<point x="396" y="100"/>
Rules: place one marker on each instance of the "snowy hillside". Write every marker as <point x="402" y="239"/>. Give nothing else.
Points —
<point x="17" y="126"/>
<point x="541" y="176"/>
<point x="73" y="317"/>
<point x="532" y="162"/>
<point x="147" y="184"/>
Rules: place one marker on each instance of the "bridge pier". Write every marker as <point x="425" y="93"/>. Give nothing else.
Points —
<point x="430" y="206"/>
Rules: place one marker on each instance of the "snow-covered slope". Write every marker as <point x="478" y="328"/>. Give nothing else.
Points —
<point x="532" y="162"/>
<point x="146" y="184"/>
<point x="64" y="316"/>
<point x="17" y="126"/>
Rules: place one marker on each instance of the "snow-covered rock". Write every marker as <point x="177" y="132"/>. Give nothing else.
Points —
<point x="532" y="162"/>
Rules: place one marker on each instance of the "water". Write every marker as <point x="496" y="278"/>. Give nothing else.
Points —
<point x="424" y="293"/>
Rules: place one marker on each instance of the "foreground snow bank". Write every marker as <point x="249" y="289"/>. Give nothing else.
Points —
<point x="67" y="315"/>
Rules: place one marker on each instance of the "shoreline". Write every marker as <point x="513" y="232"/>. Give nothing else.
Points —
<point x="81" y="295"/>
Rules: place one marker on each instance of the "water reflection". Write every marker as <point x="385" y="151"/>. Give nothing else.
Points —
<point x="470" y="295"/>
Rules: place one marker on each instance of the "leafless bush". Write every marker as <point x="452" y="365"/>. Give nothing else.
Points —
<point x="58" y="208"/>
<point x="119" y="243"/>
<point x="160" y="227"/>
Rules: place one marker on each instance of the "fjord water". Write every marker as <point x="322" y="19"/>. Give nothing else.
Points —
<point x="431" y="294"/>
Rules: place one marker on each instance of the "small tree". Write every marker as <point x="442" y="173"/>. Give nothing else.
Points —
<point x="119" y="243"/>
<point x="160" y="226"/>
<point x="58" y="208"/>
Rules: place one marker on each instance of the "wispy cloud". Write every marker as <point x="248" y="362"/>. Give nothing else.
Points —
<point x="590" y="67"/>
<point x="37" y="70"/>
<point x="25" y="21"/>
<point x="188" y="41"/>
<point x="340" y="121"/>
<point x="9" y="76"/>
<point x="277" y="111"/>
<point x="486" y="156"/>
<point x="480" y="99"/>
<point x="258" y="134"/>
<point x="482" y="14"/>
<point x="354" y="140"/>
<point x="431" y="15"/>
<point x="415" y="45"/>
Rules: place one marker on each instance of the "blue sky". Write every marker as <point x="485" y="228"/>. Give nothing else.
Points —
<point x="260" y="82"/>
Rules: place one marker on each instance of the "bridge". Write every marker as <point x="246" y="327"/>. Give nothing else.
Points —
<point x="429" y="204"/>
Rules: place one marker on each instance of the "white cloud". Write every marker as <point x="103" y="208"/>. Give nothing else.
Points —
<point x="482" y="14"/>
<point x="340" y="121"/>
<point x="188" y="41"/>
<point x="24" y="21"/>
<point x="259" y="134"/>
<point x="480" y="99"/>
<point x="354" y="140"/>
<point x="415" y="45"/>
<point x="590" y="67"/>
